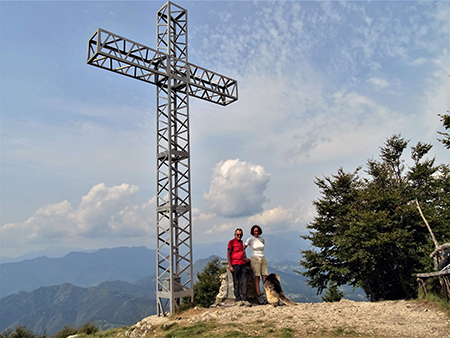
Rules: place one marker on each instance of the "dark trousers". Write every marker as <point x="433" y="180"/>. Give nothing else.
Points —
<point x="240" y="282"/>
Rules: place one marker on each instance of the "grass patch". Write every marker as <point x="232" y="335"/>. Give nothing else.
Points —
<point x="212" y="329"/>
<point x="343" y="331"/>
<point x="435" y="295"/>
<point x="194" y="330"/>
<point x="235" y="334"/>
<point x="168" y="326"/>
<point x="287" y="332"/>
<point x="258" y="325"/>
<point x="436" y="301"/>
<point x="107" y="334"/>
<point x="338" y="332"/>
<point x="268" y="325"/>
<point x="310" y="320"/>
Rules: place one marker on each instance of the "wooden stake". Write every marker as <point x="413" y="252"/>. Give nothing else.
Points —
<point x="428" y="226"/>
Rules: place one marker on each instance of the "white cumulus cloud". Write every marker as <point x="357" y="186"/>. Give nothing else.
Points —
<point x="281" y="219"/>
<point x="237" y="188"/>
<point x="105" y="212"/>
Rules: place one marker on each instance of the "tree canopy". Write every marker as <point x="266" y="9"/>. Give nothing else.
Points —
<point x="208" y="285"/>
<point x="368" y="232"/>
<point x="446" y="122"/>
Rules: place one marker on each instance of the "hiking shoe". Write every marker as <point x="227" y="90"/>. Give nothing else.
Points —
<point x="240" y="303"/>
<point x="246" y="303"/>
<point x="261" y="300"/>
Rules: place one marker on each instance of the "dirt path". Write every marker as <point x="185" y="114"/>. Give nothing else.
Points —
<point x="383" y="319"/>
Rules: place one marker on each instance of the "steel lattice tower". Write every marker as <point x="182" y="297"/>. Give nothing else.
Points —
<point x="176" y="79"/>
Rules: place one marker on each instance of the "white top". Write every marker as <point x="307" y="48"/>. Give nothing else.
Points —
<point x="256" y="245"/>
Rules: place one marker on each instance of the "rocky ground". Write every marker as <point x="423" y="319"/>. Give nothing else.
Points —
<point x="381" y="319"/>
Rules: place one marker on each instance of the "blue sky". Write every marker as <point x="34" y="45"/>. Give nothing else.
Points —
<point x="321" y="86"/>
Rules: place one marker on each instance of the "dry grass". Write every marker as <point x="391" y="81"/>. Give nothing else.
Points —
<point x="212" y="329"/>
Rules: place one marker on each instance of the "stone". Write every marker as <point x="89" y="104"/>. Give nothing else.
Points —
<point x="226" y="291"/>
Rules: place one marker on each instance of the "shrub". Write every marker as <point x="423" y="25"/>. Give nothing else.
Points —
<point x="22" y="332"/>
<point x="7" y="333"/>
<point x="89" y="328"/>
<point x="65" y="332"/>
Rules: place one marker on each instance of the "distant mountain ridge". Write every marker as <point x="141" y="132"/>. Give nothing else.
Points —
<point x="280" y="247"/>
<point x="78" y="268"/>
<point x="50" y="252"/>
<point x="48" y="309"/>
<point x="129" y="264"/>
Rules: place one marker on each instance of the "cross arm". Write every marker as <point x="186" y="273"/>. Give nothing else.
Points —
<point x="120" y="55"/>
<point x="210" y="86"/>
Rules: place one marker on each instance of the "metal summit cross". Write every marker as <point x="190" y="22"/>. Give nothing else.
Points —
<point x="176" y="79"/>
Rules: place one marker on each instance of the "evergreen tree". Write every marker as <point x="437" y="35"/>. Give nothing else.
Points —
<point x="208" y="285"/>
<point x="333" y="294"/>
<point x="368" y="232"/>
<point x="446" y="122"/>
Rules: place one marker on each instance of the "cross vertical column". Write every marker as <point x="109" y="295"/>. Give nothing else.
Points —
<point x="176" y="79"/>
<point x="174" y="226"/>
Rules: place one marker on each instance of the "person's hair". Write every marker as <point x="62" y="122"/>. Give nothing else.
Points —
<point x="239" y="229"/>
<point x="253" y="229"/>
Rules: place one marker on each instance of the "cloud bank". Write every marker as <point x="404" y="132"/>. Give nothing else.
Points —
<point x="105" y="212"/>
<point x="237" y="188"/>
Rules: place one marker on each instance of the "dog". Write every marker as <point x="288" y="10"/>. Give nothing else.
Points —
<point x="274" y="293"/>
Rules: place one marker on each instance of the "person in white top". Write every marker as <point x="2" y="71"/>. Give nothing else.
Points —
<point x="258" y="261"/>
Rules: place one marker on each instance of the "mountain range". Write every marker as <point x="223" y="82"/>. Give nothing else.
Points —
<point x="78" y="268"/>
<point x="88" y="269"/>
<point x="110" y="287"/>
<point x="48" y="309"/>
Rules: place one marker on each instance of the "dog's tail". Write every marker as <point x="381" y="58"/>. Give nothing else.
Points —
<point x="287" y="301"/>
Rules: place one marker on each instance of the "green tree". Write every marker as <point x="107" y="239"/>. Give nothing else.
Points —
<point x="446" y="122"/>
<point x="368" y="232"/>
<point x="208" y="285"/>
<point x="333" y="294"/>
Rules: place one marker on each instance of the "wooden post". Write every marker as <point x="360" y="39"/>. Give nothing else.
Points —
<point x="436" y="244"/>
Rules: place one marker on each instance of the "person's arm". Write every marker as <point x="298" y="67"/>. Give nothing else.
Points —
<point x="245" y="255"/>
<point x="229" y="260"/>
<point x="247" y="242"/>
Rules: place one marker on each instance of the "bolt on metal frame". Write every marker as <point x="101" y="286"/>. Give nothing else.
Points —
<point x="176" y="79"/>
